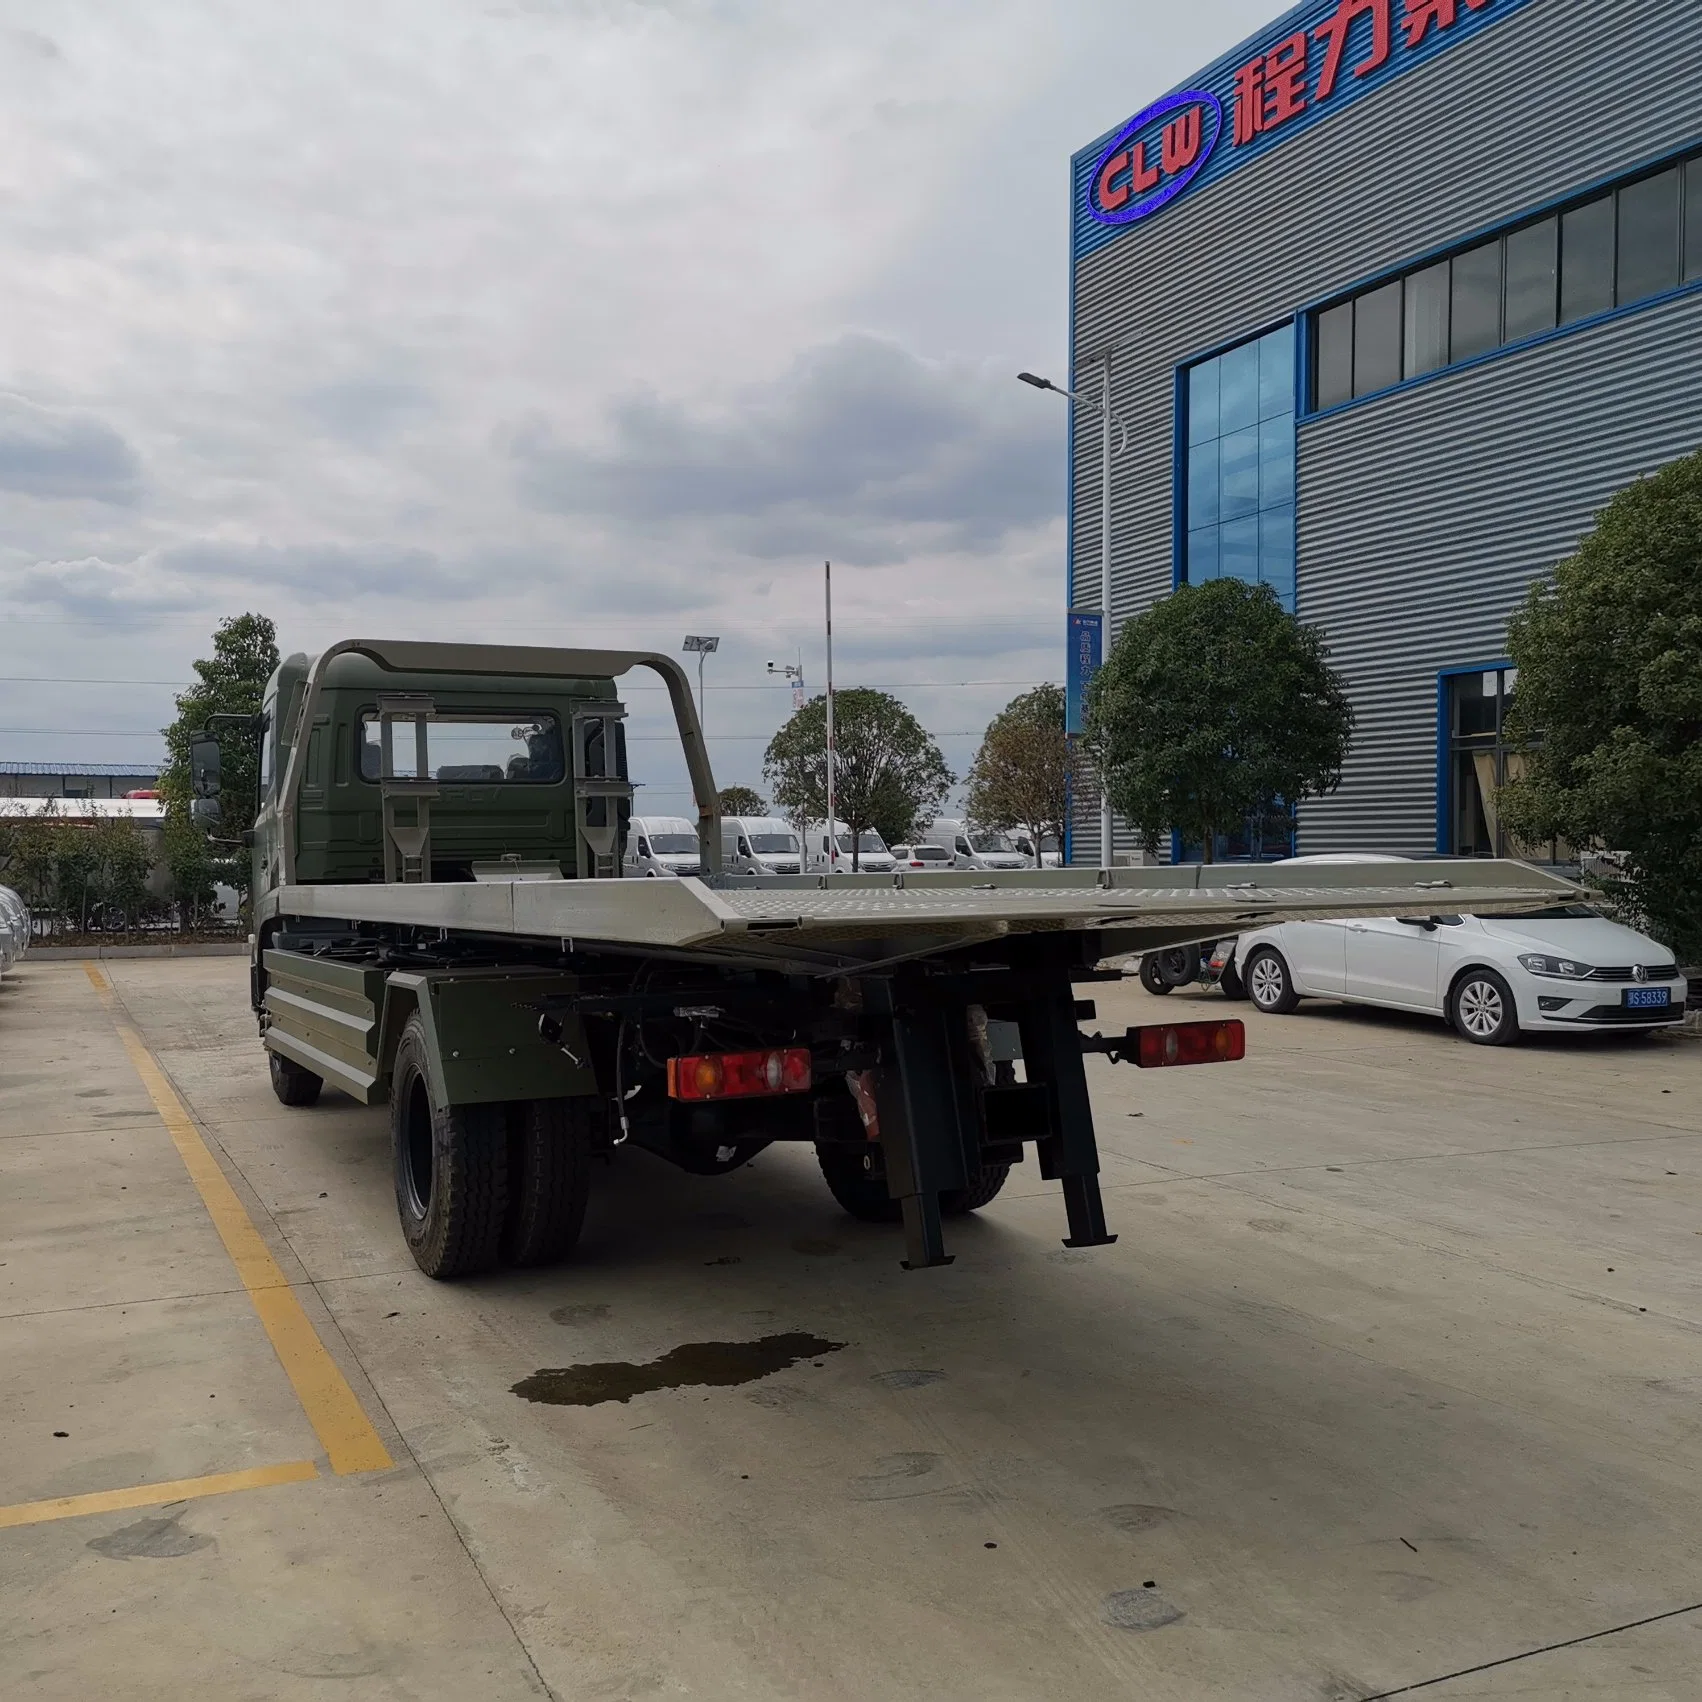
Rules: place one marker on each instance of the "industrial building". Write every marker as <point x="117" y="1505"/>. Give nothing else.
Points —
<point x="1392" y="298"/>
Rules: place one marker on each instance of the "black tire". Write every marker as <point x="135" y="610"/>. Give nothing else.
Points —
<point x="959" y="1202"/>
<point x="292" y="1084"/>
<point x="1481" y="1008"/>
<point x="1269" y="984"/>
<point x="451" y="1169"/>
<point x="863" y="1195"/>
<point x="549" y="1176"/>
<point x="1234" y="988"/>
<point x="1152" y="978"/>
<point x="1179" y="964"/>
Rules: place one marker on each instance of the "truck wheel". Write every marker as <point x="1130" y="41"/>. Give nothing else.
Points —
<point x="862" y="1195"/>
<point x="549" y="1177"/>
<point x="451" y="1169"/>
<point x="1152" y="978"/>
<point x="1269" y="984"/>
<point x="959" y="1202"/>
<point x="292" y="1084"/>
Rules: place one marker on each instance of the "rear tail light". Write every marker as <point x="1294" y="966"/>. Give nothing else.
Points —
<point x="1191" y="1043"/>
<point x="740" y="1075"/>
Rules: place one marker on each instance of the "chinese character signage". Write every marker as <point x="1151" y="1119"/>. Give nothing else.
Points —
<point x="1086" y="640"/>
<point x="1314" y="61"/>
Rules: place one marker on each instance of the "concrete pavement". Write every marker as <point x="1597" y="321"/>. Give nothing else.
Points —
<point x="1394" y="1372"/>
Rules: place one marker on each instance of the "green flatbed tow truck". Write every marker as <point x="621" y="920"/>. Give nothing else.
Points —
<point x="440" y="924"/>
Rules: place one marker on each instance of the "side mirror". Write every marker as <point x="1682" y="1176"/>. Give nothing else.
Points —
<point x="205" y="812"/>
<point x="1427" y="923"/>
<point x="204" y="763"/>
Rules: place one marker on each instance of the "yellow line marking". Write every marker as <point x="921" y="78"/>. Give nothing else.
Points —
<point x="332" y="1407"/>
<point x="154" y="1494"/>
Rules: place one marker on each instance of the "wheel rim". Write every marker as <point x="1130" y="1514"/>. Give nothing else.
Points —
<point x="1174" y="961"/>
<point x="1265" y="982"/>
<point x="417" y="1148"/>
<point x="1481" y="1009"/>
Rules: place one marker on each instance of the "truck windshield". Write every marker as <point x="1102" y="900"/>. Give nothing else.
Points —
<point x="467" y="748"/>
<point x="984" y="842"/>
<point x="774" y="844"/>
<point x="673" y="844"/>
<point x="865" y="842"/>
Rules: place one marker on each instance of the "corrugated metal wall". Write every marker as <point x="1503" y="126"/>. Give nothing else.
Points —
<point x="1425" y="513"/>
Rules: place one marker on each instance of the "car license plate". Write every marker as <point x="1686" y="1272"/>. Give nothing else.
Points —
<point x="1639" y="998"/>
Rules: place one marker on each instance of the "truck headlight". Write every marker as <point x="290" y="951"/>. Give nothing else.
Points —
<point x="1564" y="968"/>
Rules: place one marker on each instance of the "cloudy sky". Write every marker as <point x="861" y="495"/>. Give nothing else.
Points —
<point x="570" y="321"/>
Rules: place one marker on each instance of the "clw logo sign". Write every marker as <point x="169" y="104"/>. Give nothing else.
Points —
<point x="1154" y="157"/>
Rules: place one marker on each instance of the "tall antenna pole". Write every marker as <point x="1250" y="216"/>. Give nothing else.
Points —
<point x="832" y="795"/>
<point x="1106" y="836"/>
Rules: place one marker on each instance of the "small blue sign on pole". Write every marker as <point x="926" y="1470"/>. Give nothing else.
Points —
<point x="1086" y="650"/>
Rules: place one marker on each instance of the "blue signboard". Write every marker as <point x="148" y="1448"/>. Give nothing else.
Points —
<point x="1315" y="59"/>
<point x="1086" y="648"/>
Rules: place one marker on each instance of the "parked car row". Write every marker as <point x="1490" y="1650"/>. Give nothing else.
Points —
<point x="14" y="928"/>
<point x="767" y="845"/>
<point x="1559" y="970"/>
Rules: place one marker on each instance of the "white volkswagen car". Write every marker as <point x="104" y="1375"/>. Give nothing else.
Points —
<point x="1493" y="977"/>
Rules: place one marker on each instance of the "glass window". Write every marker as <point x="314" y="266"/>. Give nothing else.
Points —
<point x="468" y="748"/>
<point x="1276" y="552"/>
<point x="1202" y="403"/>
<point x="1240" y="474"/>
<point x="1276" y="374"/>
<point x="1335" y="355"/>
<point x="1427" y="320"/>
<point x="1475" y="305"/>
<point x="1377" y="339"/>
<point x="774" y="844"/>
<point x="1238" y="549"/>
<point x="1202" y="555"/>
<point x="1693" y="220"/>
<point x="1586" y="260"/>
<point x="1202" y="485"/>
<point x="1238" y="480"/>
<point x="1276" y="462"/>
<point x="1238" y="378"/>
<point x="1648" y="237"/>
<point x="1533" y="268"/>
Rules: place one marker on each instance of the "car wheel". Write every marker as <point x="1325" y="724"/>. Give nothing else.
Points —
<point x="1269" y="984"/>
<point x="1483" y="1010"/>
<point x="1234" y="988"/>
<point x="1152" y="977"/>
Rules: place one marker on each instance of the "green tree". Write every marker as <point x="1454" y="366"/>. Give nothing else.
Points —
<point x="888" y="772"/>
<point x="1019" y="776"/>
<point x="1212" y="707"/>
<point x="742" y="801"/>
<point x="232" y="681"/>
<point x="1609" y="700"/>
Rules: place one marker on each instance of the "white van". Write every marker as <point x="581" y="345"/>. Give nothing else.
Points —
<point x="662" y="845"/>
<point x="760" y="845"/>
<point x="873" y="858"/>
<point x="1051" y="852"/>
<point x="974" y="847"/>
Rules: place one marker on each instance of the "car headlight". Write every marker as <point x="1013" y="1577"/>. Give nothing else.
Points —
<point x="1565" y="968"/>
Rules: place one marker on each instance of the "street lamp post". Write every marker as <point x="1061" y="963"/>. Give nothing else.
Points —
<point x="1102" y="405"/>
<point x="703" y="647"/>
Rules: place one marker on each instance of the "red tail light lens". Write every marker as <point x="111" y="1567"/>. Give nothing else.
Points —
<point x="740" y="1075"/>
<point x="1191" y="1043"/>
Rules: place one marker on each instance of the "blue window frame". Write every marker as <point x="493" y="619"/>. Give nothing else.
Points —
<point x="1235" y="441"/>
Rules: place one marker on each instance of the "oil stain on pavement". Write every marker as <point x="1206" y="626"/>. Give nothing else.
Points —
<point x="695" y="1365"/>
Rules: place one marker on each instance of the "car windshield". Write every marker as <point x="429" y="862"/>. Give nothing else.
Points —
<point x="672" y="844"/>
<point x="775" y="844"/>
<point x="985" y="842"/>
